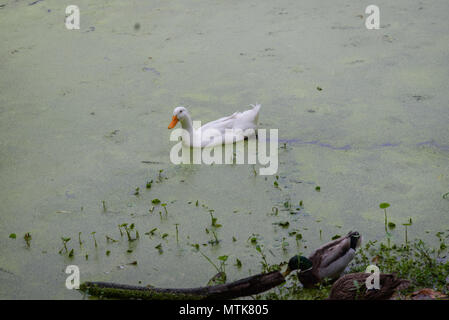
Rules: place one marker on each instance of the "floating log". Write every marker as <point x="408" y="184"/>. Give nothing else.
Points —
<point x="240" y="288"/>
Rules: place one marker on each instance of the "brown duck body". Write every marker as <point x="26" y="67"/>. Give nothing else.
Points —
<point x="345" y="287"/>
<point x="330" y="260"/>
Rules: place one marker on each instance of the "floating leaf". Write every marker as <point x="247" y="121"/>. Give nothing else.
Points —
<point x="391" y="225"/>
<point x="223" y="258"/>
<point x="384" y="205"/>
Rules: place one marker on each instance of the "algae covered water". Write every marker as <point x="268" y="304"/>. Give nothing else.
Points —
<point x="362" y="117"/>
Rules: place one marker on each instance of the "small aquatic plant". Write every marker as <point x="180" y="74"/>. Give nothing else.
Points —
<point x="27" y="238"/>
<point x="109" y="239"/>
<point x="95" y="240"/>
<point x="214" y="220"/>
<point x="164" y="205"/>
<point x="384" y="206"/>
<point x="128" y="230"/>
<point x="79" y="239"/>
<point x="266" y="267"/>
<point x="151" y="232"/>
<point x="176" y="226"/>
<point x="407" y="225"/>
<point x="221" y="269"/>
<point x="215" y="241"/>
<point x="64" y="245"/>
<point x="159" y="248"/>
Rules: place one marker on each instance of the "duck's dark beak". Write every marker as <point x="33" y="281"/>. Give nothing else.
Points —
<point x="173" y="122"/>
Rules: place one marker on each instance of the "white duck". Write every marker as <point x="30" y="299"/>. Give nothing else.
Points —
<point x="213" y="133"/>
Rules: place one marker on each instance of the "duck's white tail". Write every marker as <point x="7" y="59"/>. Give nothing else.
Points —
<point x="256" y="109"/>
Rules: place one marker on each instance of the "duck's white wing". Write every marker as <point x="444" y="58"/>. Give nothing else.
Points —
<point x="222" y="123"/>
<point x="238" y="120"/>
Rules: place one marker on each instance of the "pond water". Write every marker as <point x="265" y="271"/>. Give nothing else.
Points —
<point x="84" y="116"/>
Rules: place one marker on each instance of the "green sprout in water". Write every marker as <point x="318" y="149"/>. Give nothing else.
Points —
<point x="214" y="220"/>
<point x="109" y="239"/>
<point x="384" y="206"/>
<point x="151" y="232"/>
<point x="95" y="240"/>
<point x="221" y="276"/>
<point x="215" y="241"/>
<point x="407" y="225"/>
<point x="128" y="230"/>
<point x="176" y="226"/>
<point x="27" y="238"/>
<point x="164" y="205"/>
<point x="64" y="245"/>
<point x="265" y="265"/>
<point x="159" y="248"/>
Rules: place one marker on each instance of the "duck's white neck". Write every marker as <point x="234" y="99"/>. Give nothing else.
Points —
<point x="187" y="125"/>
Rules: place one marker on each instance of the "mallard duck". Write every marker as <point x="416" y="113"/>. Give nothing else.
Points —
<point x="352" y="287"/>
<point x="328" y="261"/>
<point x="213" y="132"/>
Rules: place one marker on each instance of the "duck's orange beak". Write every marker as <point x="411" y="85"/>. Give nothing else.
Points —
<point x="173" y="122"/>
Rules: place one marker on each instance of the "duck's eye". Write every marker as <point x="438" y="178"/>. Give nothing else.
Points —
<point x="180" y="111"/>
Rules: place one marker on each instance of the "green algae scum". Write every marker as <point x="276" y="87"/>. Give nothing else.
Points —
<point x="85" y="173"/>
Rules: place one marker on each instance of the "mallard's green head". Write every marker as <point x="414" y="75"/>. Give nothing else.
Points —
<point x="298" y="263"/>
